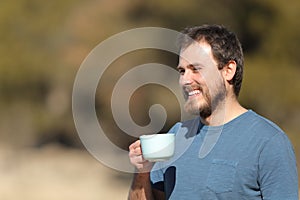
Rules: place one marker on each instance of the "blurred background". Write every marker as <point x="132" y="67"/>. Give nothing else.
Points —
<point x="43" y="44"/>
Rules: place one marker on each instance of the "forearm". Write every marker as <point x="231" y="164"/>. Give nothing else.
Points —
<point x="141" y="187"/>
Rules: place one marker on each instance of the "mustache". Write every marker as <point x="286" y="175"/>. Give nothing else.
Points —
<point x="188" y="88"/>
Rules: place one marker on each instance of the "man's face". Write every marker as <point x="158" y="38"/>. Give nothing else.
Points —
<point x="201" y="80"/>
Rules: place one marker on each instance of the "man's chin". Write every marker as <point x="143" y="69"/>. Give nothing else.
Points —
<point x="196" y="111"/>
<point x="190" y="109"/>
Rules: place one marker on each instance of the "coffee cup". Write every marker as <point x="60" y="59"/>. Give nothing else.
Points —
<point x="158" y="147"/>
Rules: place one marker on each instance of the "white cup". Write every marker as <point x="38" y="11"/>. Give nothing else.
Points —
<point x="158" y="147"/>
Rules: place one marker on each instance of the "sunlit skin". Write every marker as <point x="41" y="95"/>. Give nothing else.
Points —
<point x="201" y="80"/>
<point x="205" y="87"/>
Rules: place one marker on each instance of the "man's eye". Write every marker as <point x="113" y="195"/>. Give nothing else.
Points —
<point x="181" y="71"/>
<point x="196" y="69"/>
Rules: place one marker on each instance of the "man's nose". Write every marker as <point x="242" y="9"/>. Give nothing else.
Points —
<point x="186" y="78"/>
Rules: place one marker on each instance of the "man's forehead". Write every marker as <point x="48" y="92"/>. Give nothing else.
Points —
<point x="196" y="51"/>
<point x="197" y="48"/>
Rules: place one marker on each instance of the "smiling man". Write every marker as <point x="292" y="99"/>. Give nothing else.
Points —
<point x="227" y="151"/>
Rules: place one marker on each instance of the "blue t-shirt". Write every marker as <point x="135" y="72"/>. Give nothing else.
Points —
<point x="249" y="158"/>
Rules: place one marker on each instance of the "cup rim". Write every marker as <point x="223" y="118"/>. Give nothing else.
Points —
<point x="153" y="135"/>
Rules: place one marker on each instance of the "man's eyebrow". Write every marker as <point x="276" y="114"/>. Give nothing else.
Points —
<point x="179" y="67"/>
<point x="195" y="64"/>
<point x="190" y="65"/>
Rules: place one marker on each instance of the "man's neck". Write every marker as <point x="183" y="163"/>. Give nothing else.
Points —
<point x="224" y="113"/>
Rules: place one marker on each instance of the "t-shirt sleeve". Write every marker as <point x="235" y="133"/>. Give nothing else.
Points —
<point x="278" y="169"/>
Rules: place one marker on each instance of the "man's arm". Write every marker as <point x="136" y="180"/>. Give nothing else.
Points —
<point x="141" y="186"/>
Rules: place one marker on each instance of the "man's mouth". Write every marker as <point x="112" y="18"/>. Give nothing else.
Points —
<point x="193" y="93"/>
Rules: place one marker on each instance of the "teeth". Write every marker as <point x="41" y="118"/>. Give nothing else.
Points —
<point x="194" y="92"/>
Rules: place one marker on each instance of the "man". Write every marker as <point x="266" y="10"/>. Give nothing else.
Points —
<point x="228" y="152"/>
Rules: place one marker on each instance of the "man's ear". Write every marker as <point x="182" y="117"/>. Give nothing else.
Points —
<point x="229" y="70"/>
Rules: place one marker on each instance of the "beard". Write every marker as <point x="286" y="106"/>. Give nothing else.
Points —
<point x="196" y="107"/>
<point x="206" y="104"/>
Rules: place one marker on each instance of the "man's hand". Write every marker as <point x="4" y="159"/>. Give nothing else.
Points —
<point x="136" y="158"/>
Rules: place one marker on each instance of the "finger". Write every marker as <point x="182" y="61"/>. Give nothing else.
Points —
<point x="135" y="153"/>
<point x="135" y="148"/>
<point x="140" y="159"/>
<point x="138" y="151"/>
<point x="137" y="160"/>
<point x="135" y="145"/>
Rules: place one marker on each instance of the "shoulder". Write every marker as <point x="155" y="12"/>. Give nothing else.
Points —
<point x="263" y="127"/>
<point x="275" y="140"/>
